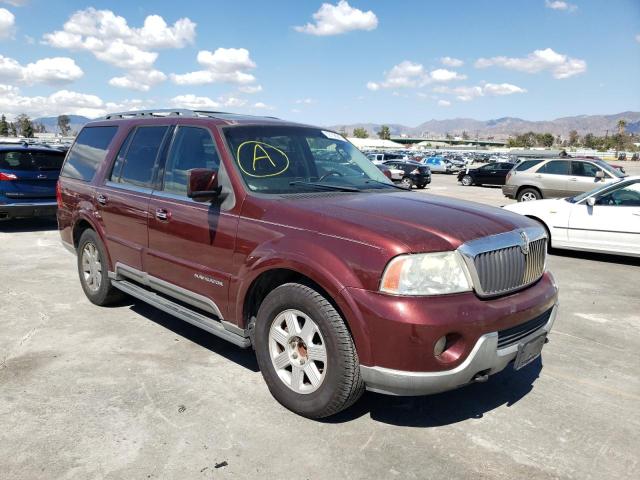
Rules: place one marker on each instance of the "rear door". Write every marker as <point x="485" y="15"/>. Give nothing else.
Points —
<point x="36" y="173"/>
<point x="612" y="224"/>
<point x="553" y="178"/>
<point x="190" y="243"/>
<point x="123" y="200"/>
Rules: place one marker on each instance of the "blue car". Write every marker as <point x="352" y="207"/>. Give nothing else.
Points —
<point x="28" y="177"/>
<point x="439" y="164"/>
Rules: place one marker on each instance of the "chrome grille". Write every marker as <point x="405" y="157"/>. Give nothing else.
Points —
<point x="499" y="264"/>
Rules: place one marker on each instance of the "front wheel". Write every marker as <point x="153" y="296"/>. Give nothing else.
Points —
<point x="305" y="352"/>
<point x="467" y="180"/>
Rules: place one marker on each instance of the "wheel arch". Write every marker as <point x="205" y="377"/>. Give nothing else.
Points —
<point x="532" y="187"/>
<point x="544" y="224"/>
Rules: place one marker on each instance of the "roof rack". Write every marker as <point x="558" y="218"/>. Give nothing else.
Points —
<point x="175" y="112"/>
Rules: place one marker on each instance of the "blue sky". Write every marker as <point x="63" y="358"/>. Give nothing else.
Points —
<point x="355" y="61"/>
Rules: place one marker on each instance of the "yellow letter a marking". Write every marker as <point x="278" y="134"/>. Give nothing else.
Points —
<point x="263" y="156"/>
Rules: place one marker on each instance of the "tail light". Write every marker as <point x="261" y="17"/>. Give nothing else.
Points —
<point x="58" y="195"/>
<point x="387" y="173"/>
<point x="7" y="177"/>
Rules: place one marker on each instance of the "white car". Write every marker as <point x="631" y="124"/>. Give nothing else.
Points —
<point x="605" y="220"/>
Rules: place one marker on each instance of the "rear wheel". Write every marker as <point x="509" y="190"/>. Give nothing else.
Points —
<point x="528" y="195"/>
<point x="467" y="180"/>
<point x="306" y="353"/>
<point x="407" y="183"/>
<point x="93" y="270"/>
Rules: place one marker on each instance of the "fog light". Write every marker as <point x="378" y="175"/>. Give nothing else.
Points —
<point x="440" y="345"/>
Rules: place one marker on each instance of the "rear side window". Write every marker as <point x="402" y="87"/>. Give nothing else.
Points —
<point x="89" y="150"/>
<point x="555" y="167"/>
<point x="526" y="165"/>
<point x="31" y="161"/>
<point x="140" y="157"/>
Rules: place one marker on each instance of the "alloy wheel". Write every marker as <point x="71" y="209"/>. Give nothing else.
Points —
<point x="91" y="267"/>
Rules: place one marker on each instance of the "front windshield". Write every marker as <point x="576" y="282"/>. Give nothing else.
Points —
<point x="613" y="171"/>
<point x="287" y="159"/>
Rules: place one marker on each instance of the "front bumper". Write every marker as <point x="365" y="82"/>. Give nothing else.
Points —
<point x="485" y="359"/>
<point x="24" y="210"/>
<point x="509" y="191"/>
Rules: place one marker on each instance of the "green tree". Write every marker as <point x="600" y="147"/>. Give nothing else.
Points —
<point x="13" y="132"/>
<point x="63" y="125"/>
<point x="622" y="125"/>
<point x="25" y="126"/>
<point x="384" y="133"/>
<point x="589" y="140"/>
<point x="573" y="138"/>
<point x="4" y="127"/>
<point x="547" y="140"/>
<point x="360" y="133"/>
<point x="465" y="135"/>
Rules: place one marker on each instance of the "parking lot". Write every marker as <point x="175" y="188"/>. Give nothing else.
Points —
<point x="131" y="392"/>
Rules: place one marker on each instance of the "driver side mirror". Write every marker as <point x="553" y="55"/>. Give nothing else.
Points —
<point x="202" y="184"/>
<point x="591" y="201"/>
<point x="599" y="175"/>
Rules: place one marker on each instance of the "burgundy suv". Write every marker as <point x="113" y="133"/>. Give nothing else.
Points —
<point x="284" y="237"/>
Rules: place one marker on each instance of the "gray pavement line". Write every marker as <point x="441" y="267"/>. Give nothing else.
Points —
<point x="555" y="331"/>
<point x="44" y="318"/>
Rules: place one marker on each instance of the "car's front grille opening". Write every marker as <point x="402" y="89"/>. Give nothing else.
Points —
<point x="501" y="271"/>
<point x="513" y="335"/>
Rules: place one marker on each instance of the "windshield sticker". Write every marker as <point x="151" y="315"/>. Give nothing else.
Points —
<point x="260" y="160"/>
<point x="333" y="136"/>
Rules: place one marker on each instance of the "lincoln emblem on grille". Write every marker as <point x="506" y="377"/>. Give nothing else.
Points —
<point x="524" y="246"/>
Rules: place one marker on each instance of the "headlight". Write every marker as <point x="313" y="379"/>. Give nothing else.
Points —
<point x="426" y="274"/>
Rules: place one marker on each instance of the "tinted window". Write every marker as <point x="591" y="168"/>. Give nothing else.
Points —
<point x="628" y="196"/>
<point x="34" y="161"/>
<point x="192" y="148"/>
<point x="89" y="150"/>
<point x="505" y="166"/>
<point x="555" y="167"/>
<point x="141" y="156"/>
<point x="583" y="169"/>
<point x="526" y="165"/>
<point x="116" y="170"/>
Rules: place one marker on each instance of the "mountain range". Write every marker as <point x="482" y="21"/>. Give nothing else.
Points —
<point x="499" y="128"/>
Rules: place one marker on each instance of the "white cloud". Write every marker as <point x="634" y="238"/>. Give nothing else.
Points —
<point x="57" y="70"/>
<point x="467" y="93"/>
<point x="560" y="5"/>
<point x="7" y="22"/>
<point x="62" y="101"/>
<point x="638" y="38"/>
<point x="203" y="103"/>
<point x="111" y="40"/>
<point x="16" y="3"/>
<point x="409" y="74"/>
<point x="141" y="80"/>
<point x="250" y="89"/>
<point x="451" y="62"/>
<point x="263" y="106"/>
<point x="305" y="101"/>
<point x="341" y="18"/>
<point x="225" y="65"/>
<point x="444" y="103"/>
<point x="560" y="65"/>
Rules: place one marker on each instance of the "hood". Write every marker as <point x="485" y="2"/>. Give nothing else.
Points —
<point x="400" y="222"/>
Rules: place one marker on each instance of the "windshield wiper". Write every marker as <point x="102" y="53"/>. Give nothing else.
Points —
<point x="326" y="186"/>
<point x="387" y="184"/>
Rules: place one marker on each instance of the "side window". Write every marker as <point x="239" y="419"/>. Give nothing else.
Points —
<point x="526" y="165"/>
<point x="555" y="167"/>
<point x="584" y="169"/>
<point x="141" y="156"/>
<point x="116" y="170"/>
<point x="628" y="196"/>
<point x="192" y="147"/>
<point x="88" y="152"/>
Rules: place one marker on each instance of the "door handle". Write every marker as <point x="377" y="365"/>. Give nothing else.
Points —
<point x="162" y="214"/>
<point x="538" y="176"/>
<point x="101" y="199"/>
<point x="573" y="179"/>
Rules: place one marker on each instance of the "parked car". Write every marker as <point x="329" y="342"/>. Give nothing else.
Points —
<point x="562" y="177"/>
<point x="439" y="165"/>
<point x="605" y="220"/>
<point x="385" y="170"/>
<point x="413" y="173"/>
<point x="490" y="174"/>
<point x="383" y="157"/>
<point x="28" y="176"/>
<point x="339" y="282"/>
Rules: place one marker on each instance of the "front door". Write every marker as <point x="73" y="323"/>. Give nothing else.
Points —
<point x="583" y="177"/>
<point x="612" y="224"/>
<point x="190" y="243"/>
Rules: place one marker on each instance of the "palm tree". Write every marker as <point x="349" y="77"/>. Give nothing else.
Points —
<point x="622" y="124"/>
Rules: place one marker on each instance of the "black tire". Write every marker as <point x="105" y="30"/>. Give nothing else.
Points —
<point x="422" y="186"/>
<point x="342" y="385"/>
<point x="105" y="294"/>
<point x="528" y="194"/>
<point x="467" y="180"/>
<point x="407" y="183"/>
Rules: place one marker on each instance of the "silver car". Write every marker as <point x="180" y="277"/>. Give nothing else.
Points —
<point x="557" y="177"/>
